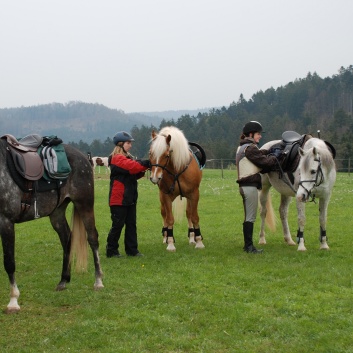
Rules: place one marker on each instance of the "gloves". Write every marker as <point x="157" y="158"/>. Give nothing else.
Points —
<point x="145" y="162"/>
<point x="277" y="152"/>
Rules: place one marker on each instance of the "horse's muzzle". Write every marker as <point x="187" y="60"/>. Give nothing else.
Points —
<point x="302" y="197"/>
<point x="155" y="180"/>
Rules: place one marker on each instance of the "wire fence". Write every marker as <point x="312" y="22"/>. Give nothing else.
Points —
<point x="342" y="165"/>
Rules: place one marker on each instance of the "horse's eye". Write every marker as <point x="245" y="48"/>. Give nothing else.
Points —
<point x="313" y="171"/>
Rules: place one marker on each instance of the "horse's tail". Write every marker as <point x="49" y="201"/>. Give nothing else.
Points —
<point x="270" y="214"/>
<point x="79" y="245"/>
<point x="179" y="207"/>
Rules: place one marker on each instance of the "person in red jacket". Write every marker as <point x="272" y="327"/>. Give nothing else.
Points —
<point x="123" y="195"/>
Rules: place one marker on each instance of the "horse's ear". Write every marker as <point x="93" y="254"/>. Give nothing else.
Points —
<point x="154" y="134"/>
<point x="168" y="138"/>
<point x="301" y="151"/>
<point x="314" y="151"/>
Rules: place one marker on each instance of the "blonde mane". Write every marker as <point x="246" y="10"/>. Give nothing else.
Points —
<point x="179" y="146"/>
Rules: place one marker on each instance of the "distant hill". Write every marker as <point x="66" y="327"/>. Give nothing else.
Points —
<point x="75" y="121"/>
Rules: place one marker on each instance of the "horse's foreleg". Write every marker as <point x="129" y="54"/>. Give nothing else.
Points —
<point x="168" y="221"/>
<point x="323" y="204"/>
<point x="301" y="225"/>
<point x="8" y="246"/>
<point x="283" y="213"/>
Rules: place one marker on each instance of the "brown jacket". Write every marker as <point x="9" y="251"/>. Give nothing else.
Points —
<point x="260" y="158"/>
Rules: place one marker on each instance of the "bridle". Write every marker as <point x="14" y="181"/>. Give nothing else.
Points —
<point x="174" y="175"/>
<point x="317" y="181"/>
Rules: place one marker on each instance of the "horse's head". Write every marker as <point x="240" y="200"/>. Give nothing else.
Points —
<point x="311" y="175"/>
<point x="159" y="156"/>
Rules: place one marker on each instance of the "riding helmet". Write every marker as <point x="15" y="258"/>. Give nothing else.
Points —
<point x="122" y="136"/>
<point x="252" y="126"/>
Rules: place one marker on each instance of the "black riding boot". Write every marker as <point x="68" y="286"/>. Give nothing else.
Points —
<point x="248" y="228"/>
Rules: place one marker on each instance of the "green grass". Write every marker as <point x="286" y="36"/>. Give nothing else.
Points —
<point x="218" y="299"/>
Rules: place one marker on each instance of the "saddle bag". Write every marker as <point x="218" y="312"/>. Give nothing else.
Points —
<point x="56" y="164"/>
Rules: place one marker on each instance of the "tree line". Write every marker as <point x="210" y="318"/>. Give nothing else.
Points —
<point x="305" y="105"/>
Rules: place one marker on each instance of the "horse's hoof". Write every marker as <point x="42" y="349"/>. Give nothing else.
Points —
<point x="98" y="286"/>
<point x="302" y="249"/>
<point x="171" y="248"/>
<point x="290" y="241"/>
<point x="199" y="246"/>
<point x="60" y="287"/>
<point x="262" y="241"/>
<point x="324" y="247"/>
<point x="12" y="310"/>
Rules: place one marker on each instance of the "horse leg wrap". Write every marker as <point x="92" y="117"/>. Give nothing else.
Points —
<point x="190" y="230"/>
<point x="300" y="235"/>
<point x="322" y="234"/>
<point x="170" y="234"/>
<point x="164" y="229"/>
<point x="198" y="233"/>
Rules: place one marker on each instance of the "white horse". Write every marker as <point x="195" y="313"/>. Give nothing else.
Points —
<point x="101" y="162"/>
<point x="313" y="178"/>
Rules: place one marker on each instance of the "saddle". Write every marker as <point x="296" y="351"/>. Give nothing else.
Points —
<point x="25" y="157"/>
<point x="198" y="153"/>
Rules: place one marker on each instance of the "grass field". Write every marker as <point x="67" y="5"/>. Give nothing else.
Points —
<point x="218" y="299"/>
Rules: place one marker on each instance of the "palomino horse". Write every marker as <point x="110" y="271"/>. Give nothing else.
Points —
<point x="78" y="188"/>
<point x="313" y="178"/>
<point x="177" y="172"/>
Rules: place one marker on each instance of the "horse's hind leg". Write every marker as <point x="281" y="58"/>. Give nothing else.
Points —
<point x="60" y="225"/>
<point x="7" y="232"/>
<point x="193" y="221"/>
<point x="283" y="212"/>
<point x="263" y="196"/>
<point x="87" y="215"/>
<point x="191" y="229"/>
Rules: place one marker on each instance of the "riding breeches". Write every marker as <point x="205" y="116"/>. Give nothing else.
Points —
<point x="250" y="202"/>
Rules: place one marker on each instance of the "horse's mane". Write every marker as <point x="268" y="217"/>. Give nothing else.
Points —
<point x="322" y="149"/>
<point x="179" y="146"/>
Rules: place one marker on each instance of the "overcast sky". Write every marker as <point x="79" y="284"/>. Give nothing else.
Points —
<point x="155" y="55"/>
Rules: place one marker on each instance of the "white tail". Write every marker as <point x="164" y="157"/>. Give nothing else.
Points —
<point x="271" y="220"/>
<point x="79" y="244"/>
<point x="179" y="208"/>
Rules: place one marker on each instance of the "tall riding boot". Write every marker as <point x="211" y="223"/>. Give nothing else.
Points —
<point x="248" y="228"/>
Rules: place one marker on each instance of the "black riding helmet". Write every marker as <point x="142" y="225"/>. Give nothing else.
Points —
<point x="122" y="136"/>
<point x="252" y="126"/>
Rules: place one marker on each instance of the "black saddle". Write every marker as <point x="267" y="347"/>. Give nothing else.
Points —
<point x="199" y="153"/>
<point x="289" y="145"/>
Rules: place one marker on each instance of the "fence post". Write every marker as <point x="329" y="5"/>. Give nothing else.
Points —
<point x="222" y="167"/>
<point x="349" y="166"/>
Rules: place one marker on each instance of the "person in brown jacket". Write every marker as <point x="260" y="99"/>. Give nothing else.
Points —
<point x="250" y="161"/>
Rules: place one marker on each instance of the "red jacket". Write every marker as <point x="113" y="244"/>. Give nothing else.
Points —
<point x="123" y="180"/>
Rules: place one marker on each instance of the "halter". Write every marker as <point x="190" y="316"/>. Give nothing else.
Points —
<point x="317" y="181"/>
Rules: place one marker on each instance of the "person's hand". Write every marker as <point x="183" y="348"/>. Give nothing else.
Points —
<point x="277" y="152"/>
<point x="145" y="162"/>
